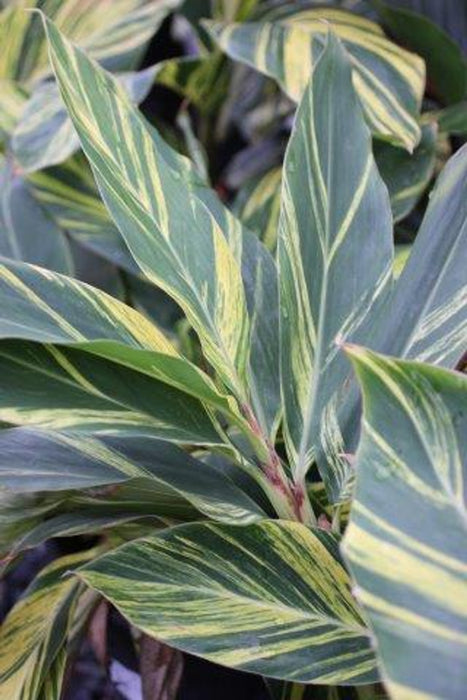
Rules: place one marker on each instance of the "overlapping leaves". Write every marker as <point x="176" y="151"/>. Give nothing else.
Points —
<point x="388" y="79"/>
<point x="335" y="266"/>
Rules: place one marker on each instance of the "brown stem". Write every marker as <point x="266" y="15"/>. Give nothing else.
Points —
<point x="161" y="669"/>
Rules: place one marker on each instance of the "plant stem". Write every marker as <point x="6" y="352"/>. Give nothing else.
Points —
<point x="289" y="498"/>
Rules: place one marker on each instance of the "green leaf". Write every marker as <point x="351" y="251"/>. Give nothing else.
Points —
<point x="34" y="632"/>
<point x="258" y="203"/>
<point x="69" y="195"/>
<point x="26" y="232"/>
<point x="39" y="305"/>
<point x="202" y="80"/>
<point x="220" y="274"/>
<point x="389" y="80"/>
<point x="426" y="319"/>
<point x="77" y="524"/>
<point x="34" y="460"/>
<point x="45" y="134"/>
<point x="153" y="211"/>
<point x="114" y="33"/>
<point x="407" y="533"/>
<point x="335" y="261"/>
<point x="270" y="598"/>
<point x="64" y="389"/>
<point x="407" y="175"/>
<point x="21" y="513"/>
<point x="445" y="63"/>
<point x="453" y="119"/>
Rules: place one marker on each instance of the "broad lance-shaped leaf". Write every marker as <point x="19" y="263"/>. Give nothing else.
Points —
<point x="70" y="197"/>
<point x="39" y="305"/>
<point x="26" y="232"/>
<point x="45" y="134"/>
<point x="335" y="260"/>
<point x="114" y="32"/>
<point x="426" y="317"/>
<point x="155" y="197"/>
<point x="34" y="460"/>
<point x="67" y="389"/>
<point x="270" y="598"/>
<point x="172" y="235"/>
<point x="35" y="630"/>
<point x="389" y="80"/>
<point x="406" y="542"/>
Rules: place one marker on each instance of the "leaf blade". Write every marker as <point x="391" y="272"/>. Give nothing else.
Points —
<point x="335" y="270"/>
<point x="388" y="79"/>
<point x="410" y="562"/>
<point x="247" y="597"/>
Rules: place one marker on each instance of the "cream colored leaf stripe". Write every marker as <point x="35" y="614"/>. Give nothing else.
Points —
<point x="408" y="526"/>
<point x="60" y="389"/>
<point x="271" y="598"/>
<point x="41" y="305"/>
<point x="284" y="50"/>
<point x="29" y="634"/>
<point x="186" y="255"/>
<point x="335" y="265"/>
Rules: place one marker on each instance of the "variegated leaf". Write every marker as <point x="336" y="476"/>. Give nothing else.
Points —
<point x="114" y="31"/>
<point x="154" y="211"/>
<point x="64" y="389"/>
<point x="258" y="203"/>
<point x="426" y="317"/>
<point x="182" y="238"/>
<point x="407" y="175"/>
<point x="33" y="460"/>
<point x="39" y="305"/>
<point x="271" y="598"/>
<point x="69" y="195"/>
<point x="335" y="261"/>
<point x="389" y="80"/>
<point x="45" y="134"/>
<point x="406" y="541"/>
<point x="33" y="634"/>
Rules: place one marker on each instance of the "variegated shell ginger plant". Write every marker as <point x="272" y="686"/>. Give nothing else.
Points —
<point x="258" y="444"/>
